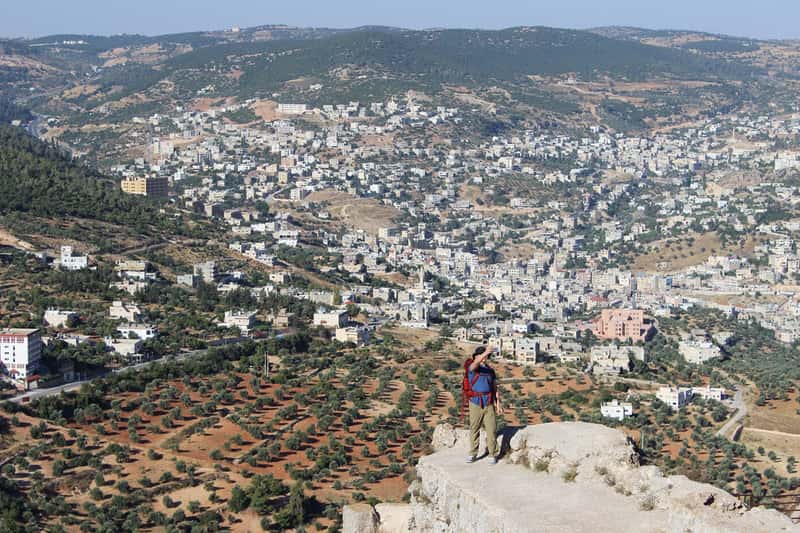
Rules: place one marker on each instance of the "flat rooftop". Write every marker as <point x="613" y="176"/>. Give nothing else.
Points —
<point x="18" y="331"/>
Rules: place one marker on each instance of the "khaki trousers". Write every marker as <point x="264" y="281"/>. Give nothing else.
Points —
<point x="482" y="416"/>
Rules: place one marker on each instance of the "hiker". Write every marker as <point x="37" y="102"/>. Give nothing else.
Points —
<point x="479" y="391"/>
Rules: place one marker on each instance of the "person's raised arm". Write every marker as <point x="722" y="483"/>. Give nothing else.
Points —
<point x="478" y="359"/>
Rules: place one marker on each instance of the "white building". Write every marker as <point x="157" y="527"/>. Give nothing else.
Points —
<point x="322" y="297"/>
<point x="135" y="270"/>
<point x="138" y="331"/>
<point x="239" y="318"/>
<point x="616" y="410"/>
<point x="359" y="335"/>
<point x="206" y="271"/>
<point x="697" y="352"/>
<point x="131" y="286"/>
<point x="612" y="359"/>
<point x="125" y="311"/>
<point x="20" y="352"/>
<point x="520" y="349"/>
<point x="71" y="261"/>
<point x="128" y="348"/>
<point x="58" y="318"/>
<point x="330" y="319"/>
<point x="292" y="109"/>
<point x="710" y="393"/>
<point x="675" y="397"/>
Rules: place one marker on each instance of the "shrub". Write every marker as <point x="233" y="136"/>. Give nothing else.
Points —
<point x="570" y="475"/>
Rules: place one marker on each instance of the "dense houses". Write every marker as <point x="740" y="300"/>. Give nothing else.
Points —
<point x="542" y="273"/>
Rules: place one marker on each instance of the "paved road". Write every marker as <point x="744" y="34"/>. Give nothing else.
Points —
<point x="41" y="393"/>
<point x="75" y="385"/>
<point x="741" y="411"/>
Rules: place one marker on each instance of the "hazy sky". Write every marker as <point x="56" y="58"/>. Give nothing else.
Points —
<point x="760" y="18"/>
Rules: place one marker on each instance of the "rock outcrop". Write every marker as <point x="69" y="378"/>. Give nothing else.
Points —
<point x="360" y="517"/>
<point x="566" y="477"/>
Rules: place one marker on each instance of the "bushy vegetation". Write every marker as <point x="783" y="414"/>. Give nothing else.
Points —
<point x="40" y="179"/>
<point x="10" y="111"/>
<point x="433" y="58"/>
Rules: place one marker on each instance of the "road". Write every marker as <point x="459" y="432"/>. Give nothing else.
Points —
<point x="75" y="385"/>
<point x="41" y="393"/>
<point x="741" y="411"/>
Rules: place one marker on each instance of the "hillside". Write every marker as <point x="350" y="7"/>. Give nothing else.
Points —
<point x="263" y="59"/>
<point x="39" y="179"/>
<point x="429" y="59"/>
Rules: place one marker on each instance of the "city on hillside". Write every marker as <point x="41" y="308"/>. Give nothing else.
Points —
<point x="241" y="271"/>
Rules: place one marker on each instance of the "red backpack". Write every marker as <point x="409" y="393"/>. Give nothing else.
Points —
<point x="466" y="389"/>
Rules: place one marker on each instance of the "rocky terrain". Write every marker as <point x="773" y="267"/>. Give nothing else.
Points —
<point x="557" y="477"/>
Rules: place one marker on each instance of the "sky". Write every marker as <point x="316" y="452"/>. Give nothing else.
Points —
<point x="766" y="19"/>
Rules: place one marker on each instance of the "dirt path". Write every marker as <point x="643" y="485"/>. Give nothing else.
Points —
<point x="772" y="432"/>
<point x="7" y="239"/>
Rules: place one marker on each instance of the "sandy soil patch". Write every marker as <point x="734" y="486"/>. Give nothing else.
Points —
<point x="7" y="239"/>
<point x="670" y="255"/>
<point x="362" y="213"/>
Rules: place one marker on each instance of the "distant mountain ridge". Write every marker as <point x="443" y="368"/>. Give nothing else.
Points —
<point x="368" y="64"/>
<point x="428" y="59"/>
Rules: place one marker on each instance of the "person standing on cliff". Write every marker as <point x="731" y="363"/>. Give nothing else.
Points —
<point x="480" y="388"/>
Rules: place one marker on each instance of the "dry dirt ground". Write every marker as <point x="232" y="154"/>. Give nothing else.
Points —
<point x="785" y="445"/>
<point x="156" y="444"/>
<point x="7" y="239"/>
<point x="671" y="255"/>
<point x="364" y="214"/>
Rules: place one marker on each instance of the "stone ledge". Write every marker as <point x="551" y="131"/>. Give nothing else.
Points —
<point x="569" y="476"/>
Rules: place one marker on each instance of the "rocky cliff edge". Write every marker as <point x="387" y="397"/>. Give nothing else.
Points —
<point x="563" y="477"/>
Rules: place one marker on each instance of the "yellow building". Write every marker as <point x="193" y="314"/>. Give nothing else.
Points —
<point x="150" y="187"/>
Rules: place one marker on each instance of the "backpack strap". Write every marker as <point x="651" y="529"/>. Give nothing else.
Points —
<point x="466" y="388"/>
<point x="482" y="395"/>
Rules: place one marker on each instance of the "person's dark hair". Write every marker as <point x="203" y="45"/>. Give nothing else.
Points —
<point x="479" y="350"/>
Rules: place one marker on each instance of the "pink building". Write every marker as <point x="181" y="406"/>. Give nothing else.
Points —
<point x="622" y="324"/>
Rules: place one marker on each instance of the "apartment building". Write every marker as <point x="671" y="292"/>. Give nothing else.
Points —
<point x="20" y="352"/>
<point x="675" y="397"/>
<point x="150" y="187"/>
<point x="206" y="271"/>
<point x="330" y="319"/>
<point x="69" y="260"/>
<point x="698" y="352"/>
<point x="240" y="318"/>
<point x="358" y="335"/>
<point x="622" y="324"/>
<point x="614" y="359"/>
